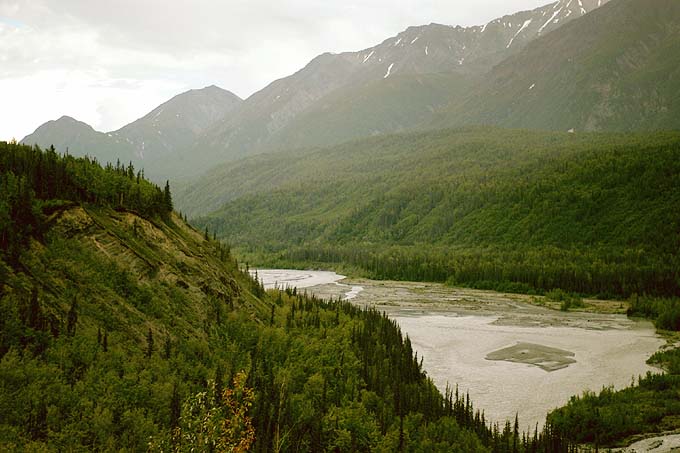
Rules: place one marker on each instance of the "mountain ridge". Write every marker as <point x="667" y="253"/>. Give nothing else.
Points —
<point x="615" y="69"/>
<point x="417" y="51"/>
<point x="424" y="67"/>
<point x="163" y="134"/>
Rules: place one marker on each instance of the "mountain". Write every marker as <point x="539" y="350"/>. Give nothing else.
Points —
<point x="615" y="69"/>
<point x="396" y="85"/>
<point x="591" y="213"/>
<point x="78" y="138"/>
<point x="159" y="141"/>
<point x="163" y="136"/>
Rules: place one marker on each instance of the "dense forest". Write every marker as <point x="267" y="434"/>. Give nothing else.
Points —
<point x="124" y="328"/>
<point x="531" y="211"/>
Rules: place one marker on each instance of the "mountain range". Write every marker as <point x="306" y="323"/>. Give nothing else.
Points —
<point x="403" y="83"/>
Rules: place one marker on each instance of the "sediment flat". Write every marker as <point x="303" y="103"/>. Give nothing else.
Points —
<point x="544" y="357"/>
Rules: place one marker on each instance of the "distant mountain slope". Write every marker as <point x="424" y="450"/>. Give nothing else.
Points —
<point x="159" y="141"/>
<point x="175" y="124"/>
<point x="474" y="204"/>
<point x="615" y="69"/>
<point x="79" y="139"/>
<point x="397" y="104"/>
<point x="394" y="86"/>
<point x="339" y="92"/>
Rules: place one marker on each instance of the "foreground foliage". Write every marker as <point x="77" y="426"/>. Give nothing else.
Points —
<point x="134" y="332"/>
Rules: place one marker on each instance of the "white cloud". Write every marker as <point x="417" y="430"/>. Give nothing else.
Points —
<point x="109" y="62"/>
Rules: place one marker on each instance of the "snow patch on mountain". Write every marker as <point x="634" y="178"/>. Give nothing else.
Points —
<point x="389" y="71"/>
<point x="525" y="25"/>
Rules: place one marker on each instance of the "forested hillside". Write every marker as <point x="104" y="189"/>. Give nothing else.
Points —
<point x="590" y="213"/>
<point x="125" y="329"/>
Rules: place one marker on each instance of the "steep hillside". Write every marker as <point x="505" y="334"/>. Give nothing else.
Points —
<point x="159" y="141"/>
<point x="585" y="212"/>
<point x="380" y="107"/>
<point x="126" y="329"/>
<point x="615" y="69"/>
<point x="341" y="91"/>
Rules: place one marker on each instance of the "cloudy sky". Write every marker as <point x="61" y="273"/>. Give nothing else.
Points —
<point x="109" y="62"/>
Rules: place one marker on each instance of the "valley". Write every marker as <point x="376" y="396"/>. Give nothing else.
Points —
<point x="503" y="193"/>
<point x="454" y="329"/>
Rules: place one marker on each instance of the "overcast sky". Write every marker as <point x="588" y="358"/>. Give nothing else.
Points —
<point x="110" y="62"/>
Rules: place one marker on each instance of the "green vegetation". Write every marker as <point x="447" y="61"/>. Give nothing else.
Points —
<point x="587" y="213"/>
<point x="29" y="174"/>
<point x="664" y="312"/>
<point x="567" y="301"/>
<point x="131" y="331"/>
<point x="610" y="418"/>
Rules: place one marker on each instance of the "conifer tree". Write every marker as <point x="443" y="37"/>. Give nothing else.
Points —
<point x="72" y="319"/>
<point x="167" y="198"/>
<point x="149" y="344"/>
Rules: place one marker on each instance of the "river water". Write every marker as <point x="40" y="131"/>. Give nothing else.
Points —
<point x="454" y="330"/>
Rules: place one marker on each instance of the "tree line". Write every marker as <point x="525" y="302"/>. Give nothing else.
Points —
<point x="34" y="181"/>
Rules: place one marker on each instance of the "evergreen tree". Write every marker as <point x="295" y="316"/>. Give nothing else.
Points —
<point x="175" y="407"/>
<point x="167" y="347"/>
<point x="72" y="319"/>
<point x="167" y="198"/>
<point x="149" y="343"/>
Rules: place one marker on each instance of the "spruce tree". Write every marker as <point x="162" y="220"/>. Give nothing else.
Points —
<point x="149" y="344"/>
<point x="175" y="407"/>
<point x="72" y="319"/>
<point x="167" y="198"/>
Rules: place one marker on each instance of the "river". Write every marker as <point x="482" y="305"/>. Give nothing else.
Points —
<point x="543" y="356"/>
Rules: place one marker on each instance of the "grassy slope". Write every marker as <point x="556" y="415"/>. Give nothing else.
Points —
<point x="129" y="276"/>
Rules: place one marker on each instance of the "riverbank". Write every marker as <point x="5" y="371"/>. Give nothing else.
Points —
<point x="455" y="330"/>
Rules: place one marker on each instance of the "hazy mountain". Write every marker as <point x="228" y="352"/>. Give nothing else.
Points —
<point x="393" y="86"/>
<point x="159" y="141"/>
<point x="79" y="139"/>
<point x="615" y="69"/>
<point x="176" y="123"/>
